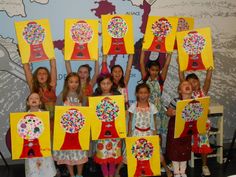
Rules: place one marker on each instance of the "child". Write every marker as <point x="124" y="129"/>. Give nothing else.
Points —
<point x="155" y="77"/>
<point x="179" y="149"/>
<point x="112" y="156"/>
<point x="44" y="83"/>
<point x="43" y="166"/>
<point x="86" y="83"/>
<point x="142" y="119"/>
<point x="71" y="96"/>
<point x="200" y="142"/>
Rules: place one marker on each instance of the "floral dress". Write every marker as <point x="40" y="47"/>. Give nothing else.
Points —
<point x="70" y="157"/>
<point x="201" y="142"/>
<point x="155" y="98"/>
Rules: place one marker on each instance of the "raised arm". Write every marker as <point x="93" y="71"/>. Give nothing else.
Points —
<point x="181" y="73"/>
<point x="166" y="66"/>
<point x="68" y="66"/>
<point x="142" y="65"/>
<point x="96" y="73"/>
<point x="207" y="81"/>
<point x="53" y="71"/>
<point x="128" y="68"/>
<point x="28" y="75"/>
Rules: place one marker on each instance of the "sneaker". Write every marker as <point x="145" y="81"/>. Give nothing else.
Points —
<point x="206" y="171"/>
<point x="78" y="176"/>
<point x="183" y="175"/>
<point x="177" y="175"/>
<point x="163" y="170"/>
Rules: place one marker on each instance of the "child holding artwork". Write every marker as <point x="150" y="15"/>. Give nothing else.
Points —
<point x="155" y="77"/>
<point x="142" y="119"/>
<point x="71" y="96"/>
<point x="200" y="142"/>
<point x="43" y="166"/>
<point x="179" y="149"/>
<point x="108" y="151"/>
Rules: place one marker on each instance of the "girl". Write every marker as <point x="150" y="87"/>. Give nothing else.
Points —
<point x="200" y="142"/>
<point x="104" y="156"/>
<point x="142" y="119"/>
<point x="71" y="96"/>
<point x="44" y="83"/>
<point x="179" y="149"/>
<point x="86" y="83"/>
<point x="155" y="77"/>
<point x="38" y="167"/>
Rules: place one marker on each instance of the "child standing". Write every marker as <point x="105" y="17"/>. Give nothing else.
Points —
<point x="200" y="142"/>
<point x="179" y="149"/>
<point x="142" y="119"/>
<point x="155" y="77"/>
<point x="71" y="96"/>
<point x="108" y="151"/>
<point x="43" y="166"/>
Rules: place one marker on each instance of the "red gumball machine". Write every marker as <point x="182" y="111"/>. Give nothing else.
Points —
<point x="142" y="150"/>
<point x="182" y="26"/>
<point x="194" y="43"/>
<point x="117" y="28"/>
<point x="107" y="111"/>
<point x="30" y="128"/>
<point x="72" y="122"/>
<point x="81" y="33"/>
<point x="191" y="113"/>
<point x="34" y="35"/>
<point x="160" y="29"/>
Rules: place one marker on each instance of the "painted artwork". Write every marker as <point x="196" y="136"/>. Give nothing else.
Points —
<point x="143" y="156"/>
<point x="195" y="49"/>
<point x="108" y="117"/>
<point x="160" y="34"/>
<point x="71" y="128"/>
<point x="117" y="34"/>
<point x="191" y="116"/>
<point x="81" y="39"/>
<point x="184" y="24"/>
<point x="30" y="135"/>
<point x="35" y="40"/>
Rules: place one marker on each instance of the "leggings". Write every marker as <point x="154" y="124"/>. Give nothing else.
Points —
<point x="108" y="171"/>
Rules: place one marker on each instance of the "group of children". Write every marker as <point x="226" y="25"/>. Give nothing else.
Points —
<point x="146" y="117"/>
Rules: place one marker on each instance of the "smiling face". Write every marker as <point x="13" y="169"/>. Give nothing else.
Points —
<point x="153" y="71"/>
<point x="117" y="74"/>
<point x="83" y="74"/>
<point x="42" y="76"/>
<point x="33" y="100"/>
<point x="143" y="94"/>
<point x="195" y="84"/>
<point x="73" y="83"/>
<point x="106" y="85"/>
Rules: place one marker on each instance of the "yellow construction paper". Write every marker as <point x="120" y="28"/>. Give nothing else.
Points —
<point x="195" y="57"/>
<point x="199" y="111"/>
<point x="117" y="34"/>
<point x="160" y="34"/>
<point x="30" y="130"/>
<point x="35" y="40"/>
<point x="107" y="117"/>
<point x="71" y="128"/>
<point x="81" y="39"/>
<point x="134" y="145"/>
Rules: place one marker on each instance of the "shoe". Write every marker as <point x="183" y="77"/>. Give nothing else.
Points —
<point x="177" y="175"/>
<point x="163" y="170"/>
<point x="78" y="176"/>
<point x="206" y="171"/>
<point x="183" y="175"/>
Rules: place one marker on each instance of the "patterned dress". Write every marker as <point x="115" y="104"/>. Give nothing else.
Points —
<point x="70" y="157"/>
<point x="201" y="142"/>
<point x="38" y="167"/>
<point x="155" y="98"/>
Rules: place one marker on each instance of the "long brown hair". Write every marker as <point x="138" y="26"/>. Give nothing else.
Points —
<point x="36" y="85"/>
<point x="65" y="90"/>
